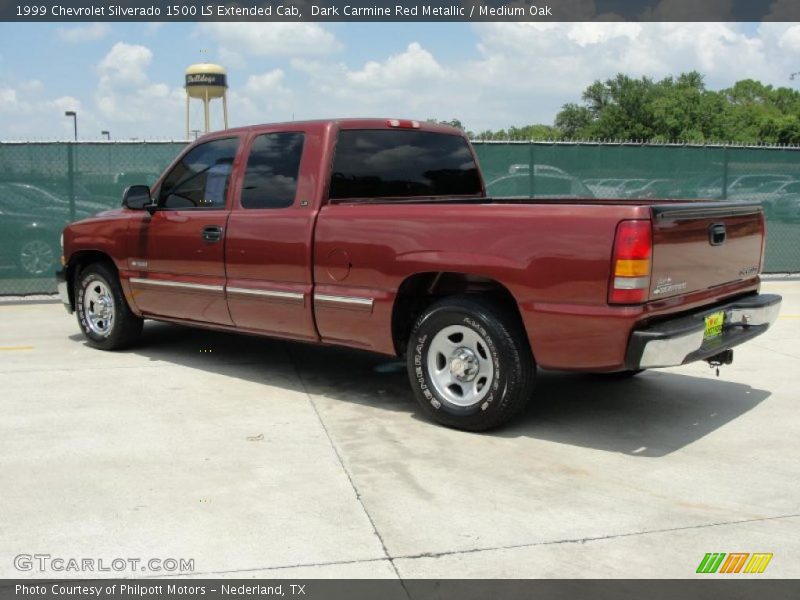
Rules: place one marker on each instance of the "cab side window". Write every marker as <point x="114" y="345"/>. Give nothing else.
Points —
<point x="201" y="178"/>
<point x="270" y="180"/>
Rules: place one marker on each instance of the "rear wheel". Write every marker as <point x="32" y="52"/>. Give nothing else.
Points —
<point x="103" y="313"/>
<point x="470" y="364"/>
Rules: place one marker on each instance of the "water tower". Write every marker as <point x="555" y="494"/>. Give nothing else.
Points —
<point x="206" y="82"/>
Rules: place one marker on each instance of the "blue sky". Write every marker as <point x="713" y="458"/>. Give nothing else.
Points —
<point x="127" y="77"/>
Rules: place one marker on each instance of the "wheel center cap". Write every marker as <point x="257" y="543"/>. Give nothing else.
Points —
<point x="105" y="306"/>
<point x="464" y="365"/>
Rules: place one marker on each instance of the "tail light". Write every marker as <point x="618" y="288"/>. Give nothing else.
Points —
<point x="631" y="263"/>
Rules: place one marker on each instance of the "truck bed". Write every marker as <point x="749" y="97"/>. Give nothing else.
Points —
<point x="553" y="256"/>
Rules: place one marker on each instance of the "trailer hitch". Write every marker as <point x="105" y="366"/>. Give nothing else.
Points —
<point x="723" y="358"/>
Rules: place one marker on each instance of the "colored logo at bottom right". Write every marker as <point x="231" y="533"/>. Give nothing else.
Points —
<point x="734" y="562"/>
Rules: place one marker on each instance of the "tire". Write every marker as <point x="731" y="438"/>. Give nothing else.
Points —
<point x="37" y="257"/>
<point x="470" y="364"/>
<point x="103" y="313"/>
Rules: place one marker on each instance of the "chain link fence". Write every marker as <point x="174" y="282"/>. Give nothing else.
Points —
<point x="766" y="174"/>
<point x="44" y="186"/>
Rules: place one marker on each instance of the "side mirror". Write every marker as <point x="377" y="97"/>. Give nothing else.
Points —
<point x="136" y="197"/>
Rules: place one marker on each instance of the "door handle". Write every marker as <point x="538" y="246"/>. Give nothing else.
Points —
<point x="212" y="233"/>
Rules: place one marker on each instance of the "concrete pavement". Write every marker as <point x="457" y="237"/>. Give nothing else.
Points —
<point x="263" y="458"/>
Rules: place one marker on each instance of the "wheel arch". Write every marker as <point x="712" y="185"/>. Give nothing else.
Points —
<point x="419" y="290"/>
<point x="78" y="261"/>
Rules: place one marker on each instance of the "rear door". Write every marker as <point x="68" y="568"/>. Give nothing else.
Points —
<point x="177" y="255"/>
<point x="704" y="245"/>
<point x="270" y="232"/>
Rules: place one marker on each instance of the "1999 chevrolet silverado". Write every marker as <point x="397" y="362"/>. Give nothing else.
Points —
<point x="378" y="234"/>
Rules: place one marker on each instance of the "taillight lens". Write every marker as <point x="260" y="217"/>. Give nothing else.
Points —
<point x="631" y="263"/>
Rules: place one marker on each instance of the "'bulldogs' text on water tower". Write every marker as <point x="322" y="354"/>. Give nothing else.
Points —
<point x="206" y="82"/>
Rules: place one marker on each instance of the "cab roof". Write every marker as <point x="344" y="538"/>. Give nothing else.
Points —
<point x="354" y="123"/>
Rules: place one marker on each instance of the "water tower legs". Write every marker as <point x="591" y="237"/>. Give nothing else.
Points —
<point x="205" y="109"/>
<point x="225" y="109"/>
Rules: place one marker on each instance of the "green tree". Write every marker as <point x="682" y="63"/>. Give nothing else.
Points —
<point x="573" y="121"/>
<point x="682" y="108"/>
<point x="534" y="132"/>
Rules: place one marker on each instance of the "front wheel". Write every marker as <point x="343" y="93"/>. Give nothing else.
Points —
<point x="103" y="313"/>
<point x="470" y="364"/>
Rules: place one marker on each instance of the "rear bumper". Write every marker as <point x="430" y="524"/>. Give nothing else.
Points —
<point x="681" y="340"/>
<point x="63" y="289"/>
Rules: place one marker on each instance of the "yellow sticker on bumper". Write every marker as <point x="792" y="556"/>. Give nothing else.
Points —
<point x="714" y="324"/>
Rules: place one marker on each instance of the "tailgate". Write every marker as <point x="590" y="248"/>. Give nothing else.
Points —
<point x="698" y="246"/>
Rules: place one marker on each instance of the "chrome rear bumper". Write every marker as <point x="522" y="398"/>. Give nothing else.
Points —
<point x="682" y="340"/>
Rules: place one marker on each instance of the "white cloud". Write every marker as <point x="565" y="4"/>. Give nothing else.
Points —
<point x="411" y="83"/>
<point x="8" y="99"/>
<point x="587" y="33"/>
<point x="263" y="98"/>
<point x="237" y="41"/>
<point x="26" y="104"/>
<point x="125" y="64"/>
<point x="525" y="72"/>
<point x="412" y="65"/>
<point x="64" y="103"/>
<point x="266" y="83"/>
<point x="33" y="86"/>
<point x="83" y="33"/>
<point x="790" y="39"/>
<point x="126" y="94"/>
<point x="26" y="100"/>
<point x="125" y="100"/>
<point x="519" y="73"/>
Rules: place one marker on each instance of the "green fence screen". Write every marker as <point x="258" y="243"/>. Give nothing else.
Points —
<point x="43" y="186"/>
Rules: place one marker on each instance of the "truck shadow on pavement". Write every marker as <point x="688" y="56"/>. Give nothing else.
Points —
<point x="651" y="415"/>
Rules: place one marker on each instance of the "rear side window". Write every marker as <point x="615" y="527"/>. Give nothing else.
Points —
<point x="200" y="179"/>
<point x="390" y="163"/>
<point x="270" y="180"/>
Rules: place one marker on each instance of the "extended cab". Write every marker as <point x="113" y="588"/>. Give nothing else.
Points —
<point x="378" y="234"/>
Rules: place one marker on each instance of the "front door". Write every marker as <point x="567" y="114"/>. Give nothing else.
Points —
<point x="177" y="256"/>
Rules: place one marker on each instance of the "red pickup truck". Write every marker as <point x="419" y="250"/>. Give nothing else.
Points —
<point x="378" y="234"/>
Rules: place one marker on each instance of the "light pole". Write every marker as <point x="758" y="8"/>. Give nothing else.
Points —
<point x="107" y="134"/>
<point x="71" y="165"/>
<point x="74" y="115"/>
